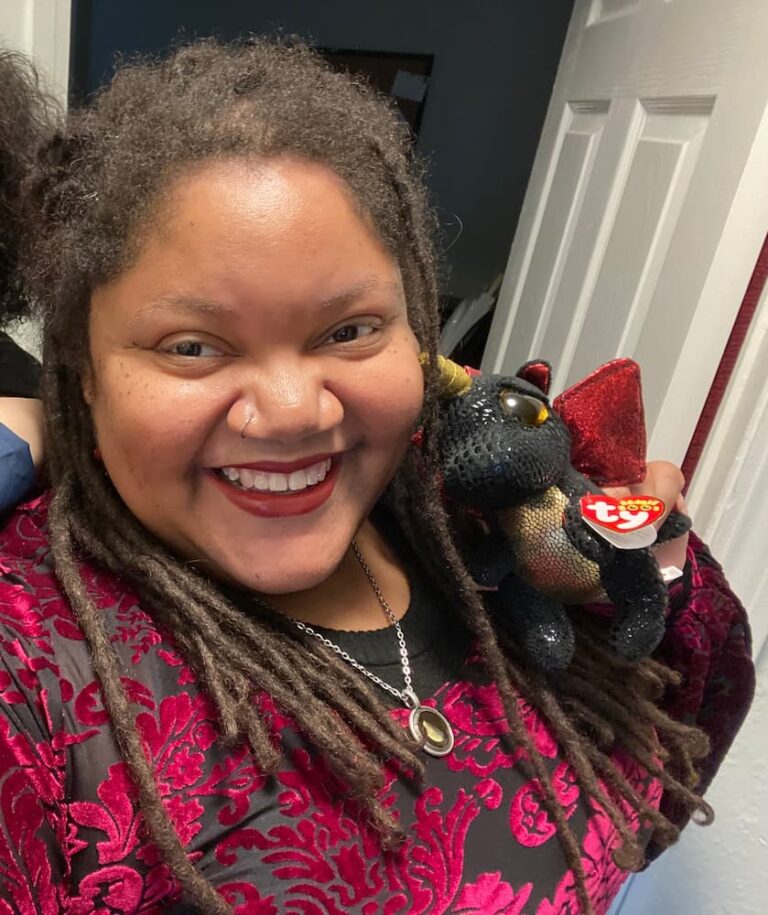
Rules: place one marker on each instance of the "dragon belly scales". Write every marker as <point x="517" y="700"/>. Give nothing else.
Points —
<point x="545" y="557"/>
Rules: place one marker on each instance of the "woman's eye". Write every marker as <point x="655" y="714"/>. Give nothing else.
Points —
<point x="192" y="348"/>
<point x="351" y="332"/>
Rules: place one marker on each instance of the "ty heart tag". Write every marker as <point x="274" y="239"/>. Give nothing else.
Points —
<point x="625" y="523"/>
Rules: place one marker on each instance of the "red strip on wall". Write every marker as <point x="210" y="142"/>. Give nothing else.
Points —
<point x="727" y="364"/>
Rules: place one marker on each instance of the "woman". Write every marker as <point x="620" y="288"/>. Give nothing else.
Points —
<point x="25" y="116"/>
<point x="245" y="585"/>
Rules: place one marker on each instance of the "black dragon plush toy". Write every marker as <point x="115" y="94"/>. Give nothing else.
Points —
<point x="554" y="538"/>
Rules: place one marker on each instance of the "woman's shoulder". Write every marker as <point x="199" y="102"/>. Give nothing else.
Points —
<point x="33" y="604"/>
<point x="33" y="608"/>
<point x="25" y="554"/>
<point x="25" y="558"/>
<point x="24" y="531"/>
<point x="36" y="617"/>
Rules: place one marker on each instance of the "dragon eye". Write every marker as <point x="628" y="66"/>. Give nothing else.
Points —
<point x="529" y="410"/>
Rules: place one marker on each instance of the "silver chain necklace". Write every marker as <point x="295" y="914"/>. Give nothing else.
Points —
<point x="427" y="725"/>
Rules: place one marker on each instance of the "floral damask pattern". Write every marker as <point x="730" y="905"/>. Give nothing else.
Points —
<point x="490" y="895"/>
<point x="477" y="716"/>
<point x="72" y="838"/>
<point x="529" y="821"/>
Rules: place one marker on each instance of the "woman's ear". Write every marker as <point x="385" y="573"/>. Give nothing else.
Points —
<point x="538" y="372"/>
<point x="87" y="386"/>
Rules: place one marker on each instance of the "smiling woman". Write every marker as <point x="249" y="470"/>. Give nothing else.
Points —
<point x="282" y="369"/>
<point x="243" y="664"/>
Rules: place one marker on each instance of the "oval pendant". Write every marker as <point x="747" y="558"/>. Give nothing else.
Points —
<point x="429" y="725"/>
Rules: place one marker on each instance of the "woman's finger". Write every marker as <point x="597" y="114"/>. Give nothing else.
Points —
<point x="663" y="480"/>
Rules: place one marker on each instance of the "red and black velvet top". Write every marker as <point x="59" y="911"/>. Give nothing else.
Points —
<point x="479" y="841"/>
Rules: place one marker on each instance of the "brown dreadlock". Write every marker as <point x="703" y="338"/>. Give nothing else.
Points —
<point x="96" y="190"/>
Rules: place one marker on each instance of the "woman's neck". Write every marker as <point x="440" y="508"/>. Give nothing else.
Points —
<point x="346" y="600"/>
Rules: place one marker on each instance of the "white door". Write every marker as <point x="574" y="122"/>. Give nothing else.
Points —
<point x="40" y="28"/>
<point x="644" y="217"/>
<point x="648" y="202"/>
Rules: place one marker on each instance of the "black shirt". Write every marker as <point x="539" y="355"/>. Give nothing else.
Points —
<point x="19" y="372"/>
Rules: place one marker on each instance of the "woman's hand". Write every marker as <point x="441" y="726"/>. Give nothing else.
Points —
<point x="664" y="481"/>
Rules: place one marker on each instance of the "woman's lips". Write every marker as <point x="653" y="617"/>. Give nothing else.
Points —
<point x="288" y="466"/>
<point x="265" y="504"/>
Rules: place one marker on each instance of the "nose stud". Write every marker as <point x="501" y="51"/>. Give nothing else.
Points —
<point x="249" y="415"/>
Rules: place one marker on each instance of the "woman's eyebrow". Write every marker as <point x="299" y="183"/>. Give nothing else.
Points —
<point x="186" y="303"/>
<point x="369" y="284"/>
<point x="195" y="304"/>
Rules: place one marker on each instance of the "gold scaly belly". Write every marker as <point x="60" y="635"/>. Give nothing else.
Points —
<point x="546" y="558"/>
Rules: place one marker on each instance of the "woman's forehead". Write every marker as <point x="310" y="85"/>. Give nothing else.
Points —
<point x="279" y="233"/>
<point x="268" y="187"/>
<point x="257" y="207"/>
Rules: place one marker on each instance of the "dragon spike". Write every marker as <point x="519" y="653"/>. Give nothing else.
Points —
<point x="453" y="379"/>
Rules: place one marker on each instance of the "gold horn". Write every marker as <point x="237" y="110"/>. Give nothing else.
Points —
<point x="454" y="380"/>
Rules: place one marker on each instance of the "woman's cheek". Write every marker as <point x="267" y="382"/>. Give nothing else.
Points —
<point x="138" y="418"/>
<point x="410" y="396"/>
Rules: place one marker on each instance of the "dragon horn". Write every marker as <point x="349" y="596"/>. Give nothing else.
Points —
<point x="453" y="379"/>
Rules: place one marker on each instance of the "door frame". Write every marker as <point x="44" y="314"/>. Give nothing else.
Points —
<point x="41" y="29"/>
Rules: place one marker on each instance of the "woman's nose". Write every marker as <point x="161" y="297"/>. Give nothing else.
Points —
<point x="285" y="405"/>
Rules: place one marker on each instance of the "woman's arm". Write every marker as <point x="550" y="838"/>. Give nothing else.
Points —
<point x="707" y="640"/>
<point x="709" y="643"/>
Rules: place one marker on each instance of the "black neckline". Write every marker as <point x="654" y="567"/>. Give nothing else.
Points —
<point x="380" y="646"/>
<point x="437" y="640"/>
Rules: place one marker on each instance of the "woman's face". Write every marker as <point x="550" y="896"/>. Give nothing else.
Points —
<point x="255" y="382"/>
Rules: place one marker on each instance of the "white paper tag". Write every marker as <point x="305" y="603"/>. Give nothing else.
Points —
<point x="631" y="540"/>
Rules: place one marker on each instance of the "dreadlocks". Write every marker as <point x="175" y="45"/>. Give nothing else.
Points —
<point x="95" y="194"/>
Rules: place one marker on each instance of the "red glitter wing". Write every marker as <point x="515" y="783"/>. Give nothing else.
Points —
<point x="604" y="414"/>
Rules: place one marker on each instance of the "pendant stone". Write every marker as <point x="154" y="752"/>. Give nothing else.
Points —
<point x="430" y="726"/>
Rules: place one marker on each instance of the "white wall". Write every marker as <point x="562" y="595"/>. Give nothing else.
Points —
<point x="721" y="869"/>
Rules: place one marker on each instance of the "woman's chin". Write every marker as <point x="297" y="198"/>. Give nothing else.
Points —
<point x="281" y="577"/>
<point x="291" y="583"/>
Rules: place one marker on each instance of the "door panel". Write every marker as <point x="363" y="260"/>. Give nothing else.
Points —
<point x="647" y="204"/>
<point x="653" y="191"/>
<point x="562" y="207"/>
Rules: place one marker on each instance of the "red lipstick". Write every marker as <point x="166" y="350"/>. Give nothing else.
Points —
<point x="281" y="504"/>
<point x="287" y="466"/>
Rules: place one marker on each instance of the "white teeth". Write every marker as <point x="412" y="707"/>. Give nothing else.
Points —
<point x="278" y="482"/>
<point x="259" y="481"/>
<point x="297" y="480"/>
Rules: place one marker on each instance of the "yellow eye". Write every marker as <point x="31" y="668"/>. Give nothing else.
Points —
<point x="529" y="410"/>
